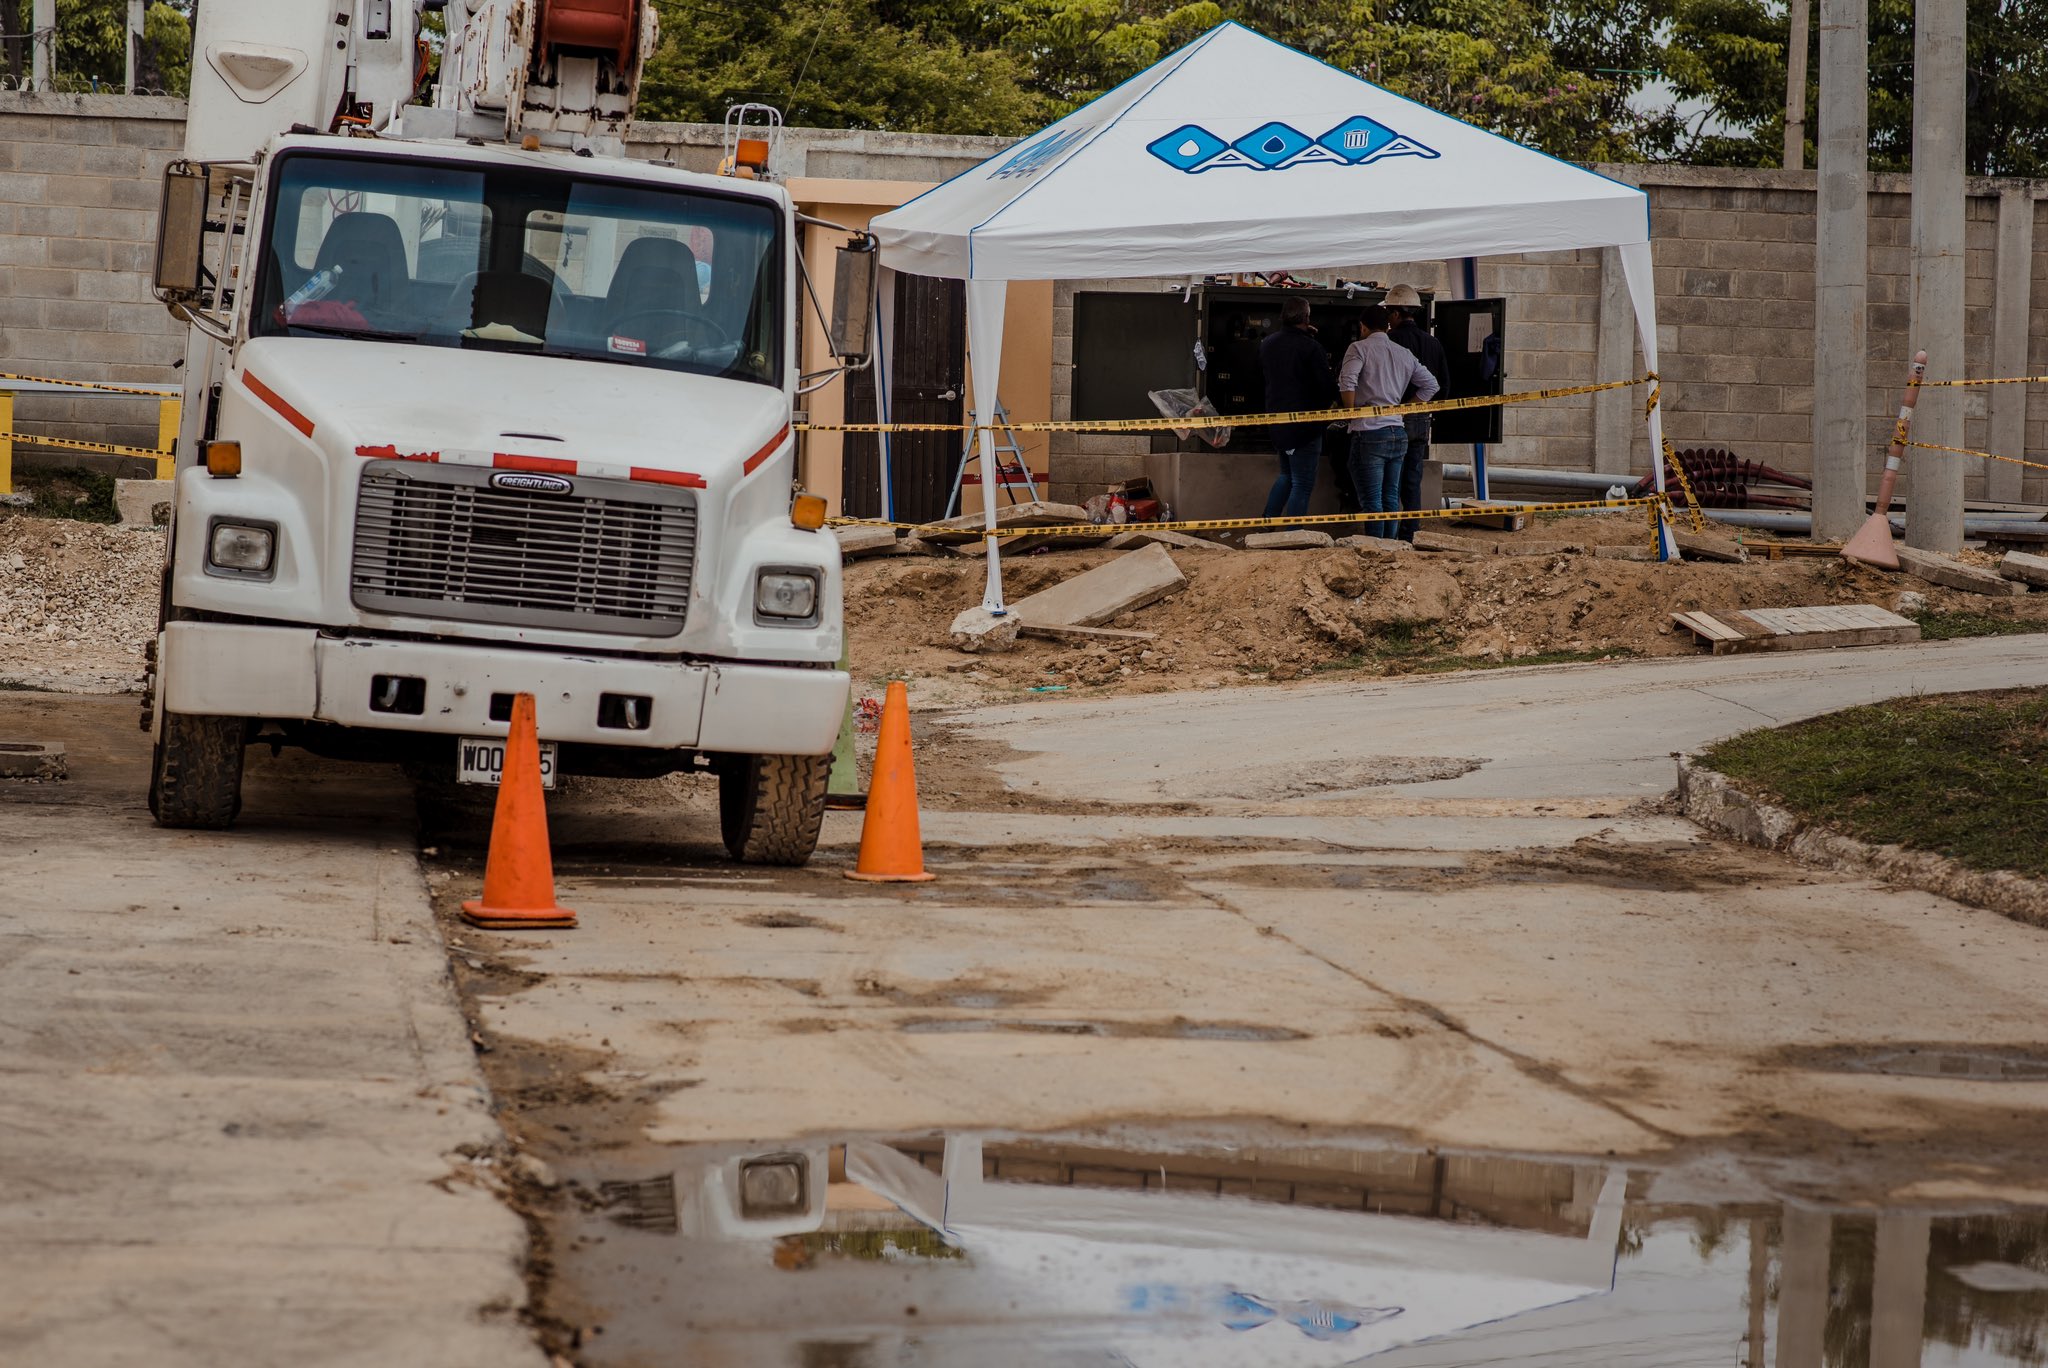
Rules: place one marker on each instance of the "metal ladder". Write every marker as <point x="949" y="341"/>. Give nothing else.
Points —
<point x="1006" y="445"/>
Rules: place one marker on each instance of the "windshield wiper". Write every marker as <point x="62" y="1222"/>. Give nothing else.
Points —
<point x="335" y="330"/>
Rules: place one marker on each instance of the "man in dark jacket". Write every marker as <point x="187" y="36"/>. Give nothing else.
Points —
<point x="1404" y="307"/>
<point x="1297" y="380"/>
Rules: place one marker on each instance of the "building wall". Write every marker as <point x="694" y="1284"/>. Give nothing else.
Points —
<point x="79" y="184"/>
<point x="1733" y="251"/>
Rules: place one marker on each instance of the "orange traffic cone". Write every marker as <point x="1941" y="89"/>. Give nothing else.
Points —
<point x="891" y="850"/>
<point x="519" y="875"/>
<point x="1872" y="544"/>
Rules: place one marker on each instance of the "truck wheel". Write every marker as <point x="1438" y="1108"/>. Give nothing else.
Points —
<point x="196" y="777"/>
<point x="771" y="806"/>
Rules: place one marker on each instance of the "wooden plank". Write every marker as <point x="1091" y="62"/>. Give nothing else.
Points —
<point x="1049" y="632"/>
<point x="1706" y="626"/>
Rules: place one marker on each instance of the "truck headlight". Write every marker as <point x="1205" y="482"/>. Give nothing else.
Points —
<point x="786" y="596"/>
<point x="241" y="550"/>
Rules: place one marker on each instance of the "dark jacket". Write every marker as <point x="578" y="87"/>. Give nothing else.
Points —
<point x="1297" y="379"/>
<point x="1430" y="353"/>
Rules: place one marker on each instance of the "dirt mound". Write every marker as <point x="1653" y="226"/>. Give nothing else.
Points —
<point x="1286" y="614"/>
<point x="78" y="601"/>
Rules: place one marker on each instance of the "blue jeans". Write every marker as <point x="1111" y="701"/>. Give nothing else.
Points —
<point x="1376" y="458"/>
<point x="1290" y="494"/>
<point x="1411" y="477"/>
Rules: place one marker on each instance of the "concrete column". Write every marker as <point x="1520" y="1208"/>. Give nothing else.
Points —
<point x="134" y="45"/>
<point x="1841" y="439"/>
<point x="1803" y="1248"/>
<point x="1898" y="1290"/>
<point x="2010" y="314"/>
<point x="1934" y="502"/>
<point x="1795" y="85"/>
<point x="1617" y="414"/>
<point x="43" y="24"/>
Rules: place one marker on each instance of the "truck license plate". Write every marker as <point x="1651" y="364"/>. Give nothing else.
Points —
<point x="481" y="760"/>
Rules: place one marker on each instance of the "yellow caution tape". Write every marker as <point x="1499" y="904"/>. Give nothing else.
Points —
<point x="1239" y="420"/>
<point x="72" y="444"/>
<point x="2001" y="380"/>
<point x="1651" y="501"/>
<point x="1692" y="501"/>
<point x="1987" y="455"/>
<point x="87" y="385"/>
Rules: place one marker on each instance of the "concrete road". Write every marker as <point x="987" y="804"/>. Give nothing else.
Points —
<point x="1547" y="733"/>
<point x="235" y="1081"/>
<point x="1517" y="957"/>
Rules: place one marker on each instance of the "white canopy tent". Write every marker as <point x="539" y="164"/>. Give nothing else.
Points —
<point x="1237" y="153"/>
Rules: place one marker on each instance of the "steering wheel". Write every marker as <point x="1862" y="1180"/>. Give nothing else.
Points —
<point x="462" y="294"/>
<point x="678" y="324"/>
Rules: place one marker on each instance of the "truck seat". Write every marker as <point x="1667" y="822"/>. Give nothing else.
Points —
<point x="654" y="273"/>
<point x="371" y="253"/>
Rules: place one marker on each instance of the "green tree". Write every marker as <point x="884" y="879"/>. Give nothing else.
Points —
<point x="831" y="64"/>
<point x="90" y="54"/>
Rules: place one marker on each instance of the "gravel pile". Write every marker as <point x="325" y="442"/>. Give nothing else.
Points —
<point x="78" y="602"/>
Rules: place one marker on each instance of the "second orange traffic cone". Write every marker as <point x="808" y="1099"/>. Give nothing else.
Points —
<point x="891" y="847"/>
<point x="519" y="875"/>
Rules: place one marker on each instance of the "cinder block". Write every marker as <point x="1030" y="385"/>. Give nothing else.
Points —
<point x="148" y="133"/>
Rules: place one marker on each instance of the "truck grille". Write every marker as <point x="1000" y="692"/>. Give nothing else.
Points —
<point x="440" y="541"/>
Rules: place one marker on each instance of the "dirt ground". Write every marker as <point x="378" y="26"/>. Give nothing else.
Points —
<point x="78" y="604"/>
<point x="1280" y="615"/>
<point x="78" y="601"/>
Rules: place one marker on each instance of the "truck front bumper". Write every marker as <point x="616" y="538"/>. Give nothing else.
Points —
<point x="238" y="670"/>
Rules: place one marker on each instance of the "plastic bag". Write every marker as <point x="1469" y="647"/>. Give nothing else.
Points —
<point x="1182" y="403"/>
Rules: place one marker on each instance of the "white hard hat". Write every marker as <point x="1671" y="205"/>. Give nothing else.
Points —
<point x="1402" y="297"/>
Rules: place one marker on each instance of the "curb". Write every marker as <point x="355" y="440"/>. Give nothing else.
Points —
<point x="1710" y="798"/>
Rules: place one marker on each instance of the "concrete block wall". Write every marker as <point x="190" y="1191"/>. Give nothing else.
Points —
<point x="1733" y="253"/>
<point x="79" y="184"/>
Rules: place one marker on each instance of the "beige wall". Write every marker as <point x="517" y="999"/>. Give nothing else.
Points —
<point x="1025" y="385"/>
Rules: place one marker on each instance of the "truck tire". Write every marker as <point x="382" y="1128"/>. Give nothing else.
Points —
<point x="195" y="780"/>
<point x="770" y="807"/>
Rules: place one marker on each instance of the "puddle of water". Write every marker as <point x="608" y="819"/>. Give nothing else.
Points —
<point x="998" y="1250"/>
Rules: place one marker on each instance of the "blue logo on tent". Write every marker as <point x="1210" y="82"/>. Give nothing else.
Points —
<point x="1277" y="147"/>
<point x="1034" y="157"/>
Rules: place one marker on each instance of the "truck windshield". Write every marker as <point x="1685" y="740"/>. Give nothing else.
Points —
<point x="523" y="260"/>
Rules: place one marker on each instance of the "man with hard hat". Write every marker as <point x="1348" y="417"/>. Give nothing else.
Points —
<point x="1404" y="310"/>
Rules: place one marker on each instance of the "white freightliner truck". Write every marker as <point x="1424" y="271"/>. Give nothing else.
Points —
<point x="476" y="406"/>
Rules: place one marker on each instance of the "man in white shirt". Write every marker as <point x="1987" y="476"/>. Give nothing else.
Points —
<point x="1379" y="370"/>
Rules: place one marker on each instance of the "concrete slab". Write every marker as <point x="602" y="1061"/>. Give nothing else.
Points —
<point x="143" y="503"/>
<point x="1100" y="595"/>
<point x="1380" y="546"/>
<point x="1306" y="540"/>
<point x="1954" y="574"/>
<point x="1705" y="546"/>
<point x="32" y="760"/>
<point x="855" y="542"/>
<point x="1430" y="539"/>
<point x="2028" y="569"/>
<point x="238" y="1083"/>
<point x="1135" y="537"/>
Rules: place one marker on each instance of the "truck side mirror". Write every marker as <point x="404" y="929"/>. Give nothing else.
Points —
<point x="181" y="232"/>
<point x="855" y="275"/>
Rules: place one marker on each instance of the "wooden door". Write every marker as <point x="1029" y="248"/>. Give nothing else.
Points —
<point x="927" y="385"/>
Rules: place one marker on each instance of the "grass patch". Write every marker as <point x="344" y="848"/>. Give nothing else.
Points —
<point x="1936" y="626"/>
<point x="1957" y="774"/>
<point x="67" y="492"/>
